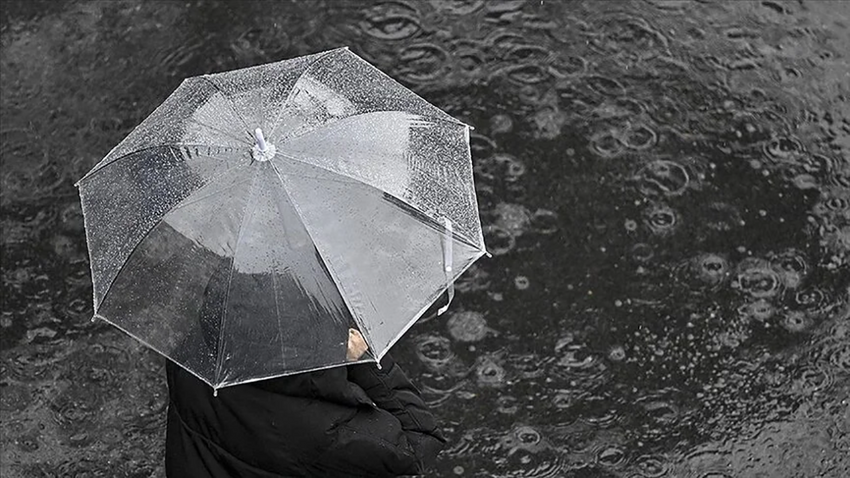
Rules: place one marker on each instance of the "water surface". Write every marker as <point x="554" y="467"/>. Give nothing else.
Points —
<point x="664" y="184"/>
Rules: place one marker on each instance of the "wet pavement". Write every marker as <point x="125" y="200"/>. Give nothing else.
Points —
<point x="664" y="184"/>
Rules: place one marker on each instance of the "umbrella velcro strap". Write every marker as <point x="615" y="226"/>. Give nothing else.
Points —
<point x="447" y="264"/>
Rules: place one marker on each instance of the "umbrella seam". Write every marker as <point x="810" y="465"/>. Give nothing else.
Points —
<point x="229" y="101"/>
<point x="362" y="113"/>
<point x="435" y="224"/>
<point x="439" y="293"/>
<point x="393" y="80"/>
<point x="277" y="313"/>
<point x="146" y="234"/>
<point x="143" y="150"/>
<point x="294" y="84"/>
<point x="219" y="355"/>
<point x="148" y="345"/>
<point x="331" y="270"/>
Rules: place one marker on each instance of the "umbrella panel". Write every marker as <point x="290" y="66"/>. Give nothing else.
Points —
<point x="229" y="270"/>
<point x="386" y="256"/>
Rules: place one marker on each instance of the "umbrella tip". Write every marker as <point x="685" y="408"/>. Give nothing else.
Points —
<point x="261" y="141"/>
<point x="262" y="151"/>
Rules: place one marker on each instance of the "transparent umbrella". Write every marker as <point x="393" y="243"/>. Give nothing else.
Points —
<point x="256" y="215"/>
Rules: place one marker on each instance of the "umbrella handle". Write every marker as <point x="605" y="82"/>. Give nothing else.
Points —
<point x="447" y="264"/>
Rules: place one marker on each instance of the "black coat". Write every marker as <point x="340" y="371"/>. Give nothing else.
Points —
<point x="341" y="422"/>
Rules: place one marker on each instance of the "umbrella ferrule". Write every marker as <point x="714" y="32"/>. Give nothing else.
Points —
<point x="262" y="150"/>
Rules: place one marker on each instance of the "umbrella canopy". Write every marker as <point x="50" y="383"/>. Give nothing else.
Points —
<point x="257" y="214"/>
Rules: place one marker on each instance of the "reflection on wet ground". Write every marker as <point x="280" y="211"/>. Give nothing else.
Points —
<point x="664" y="185"/>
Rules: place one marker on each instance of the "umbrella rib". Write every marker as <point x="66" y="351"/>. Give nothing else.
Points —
<point x="149" y="148"/>
<point x="396" y="201"/>
<point x="330" y="269"/>
<point x="363" y="113"/>
<point x="229" y="101"/>
<point x="291" y="90"/>
<point x="155" y="225"/>
<point x="448" y="118"/>
<point x="277" y="313"/>
<point x="248" y="206"/>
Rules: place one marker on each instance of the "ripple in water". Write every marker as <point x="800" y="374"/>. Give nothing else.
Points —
<point x="757" y="278"/>
<point x="639" y="137"/>
<point x="607" y="143"/>
<point x="422" y="62"/>
<point x="783" y="149"/>
<point x="792" y="267"/>
<point x="662" y="178"/>
<point x="434" y="351"/>
<point x="759" y="310"/>
<point x="650" y="466"/>
<point x="705" y="269"/>
<point x="611" y="456"/>
<point x="468" y="326"/>
<point x="528" y="366"/>
<point x="457" y="7"/>
<point x="391" y="21"/>
<point x="796" y="321"/>
<point x="513" y="218"/>
<point x="661" y="219"/>
<point x="499" y="240"/>
<point x="489" y="373"/>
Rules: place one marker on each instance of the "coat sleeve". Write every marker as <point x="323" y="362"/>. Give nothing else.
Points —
<point x="398" y="436"/>
<point x="393" y="392"/>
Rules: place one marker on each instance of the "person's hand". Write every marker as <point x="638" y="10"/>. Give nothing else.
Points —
<point x="356" y="345"/>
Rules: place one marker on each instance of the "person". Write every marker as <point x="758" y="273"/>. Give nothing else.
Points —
<point x="351" y="421"/>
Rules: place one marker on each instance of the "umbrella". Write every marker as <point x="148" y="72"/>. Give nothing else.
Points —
<point x="257" y="214"/>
